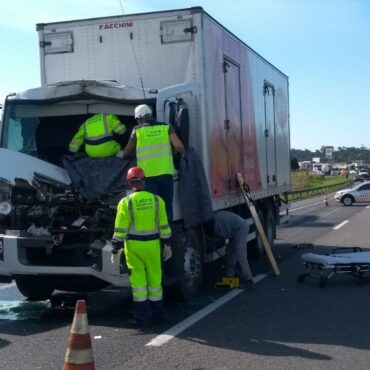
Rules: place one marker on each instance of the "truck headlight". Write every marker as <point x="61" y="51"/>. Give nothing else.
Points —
<point x="5" y="207"/>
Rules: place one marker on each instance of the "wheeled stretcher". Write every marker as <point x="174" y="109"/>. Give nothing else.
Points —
<point x="324" y="266"/>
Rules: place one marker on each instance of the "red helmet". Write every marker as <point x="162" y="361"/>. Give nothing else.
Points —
<point x="135" y="173"/>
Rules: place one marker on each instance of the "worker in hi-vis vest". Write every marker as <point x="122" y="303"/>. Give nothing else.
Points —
<point x="152" y="141"/>
<point x="97" y="134"/>
<point x="141" y="223"/>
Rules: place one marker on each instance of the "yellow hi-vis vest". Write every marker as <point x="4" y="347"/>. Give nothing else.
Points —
<point x="153" y="149"/>
<point x="141" y="218"/>
<point x="97" y="135"/>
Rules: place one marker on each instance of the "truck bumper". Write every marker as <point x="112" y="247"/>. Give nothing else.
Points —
<point x="10" y="265"/>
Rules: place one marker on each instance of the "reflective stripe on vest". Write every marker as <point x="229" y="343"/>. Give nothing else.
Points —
<point x="153" y="150"/>
<point x="92" y="138"/>
<point x="143" y="235"/>
<point x="120" y="230"/>
<point x="98" y="136"/>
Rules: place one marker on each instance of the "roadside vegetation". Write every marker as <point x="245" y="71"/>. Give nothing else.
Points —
<point x="304" y="180"/>
<point x="308" y="183"/>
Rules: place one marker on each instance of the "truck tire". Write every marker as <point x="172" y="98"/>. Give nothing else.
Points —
<point x="189" y="266"/>
<point x="35" y="288"/>
<point x="256" y="250"/>
<point x="255" y="247"/>
<point x="270" y="226"/>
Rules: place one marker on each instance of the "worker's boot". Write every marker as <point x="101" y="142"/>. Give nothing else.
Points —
<point x="247" y="283"/>
<point x="142" y="314"/>
<point x="158" y="311"/>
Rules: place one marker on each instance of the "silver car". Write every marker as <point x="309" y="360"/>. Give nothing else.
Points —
<point x="358" y="194"/>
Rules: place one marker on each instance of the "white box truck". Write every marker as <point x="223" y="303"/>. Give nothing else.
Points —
<point x="222" y="97"/>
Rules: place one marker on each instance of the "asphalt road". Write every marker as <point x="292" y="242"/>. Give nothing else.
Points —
<point x="283" y="324"/>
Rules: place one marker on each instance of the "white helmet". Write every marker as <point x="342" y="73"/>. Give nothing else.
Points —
<point x="142" y="111"/>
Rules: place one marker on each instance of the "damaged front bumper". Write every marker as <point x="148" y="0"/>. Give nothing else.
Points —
<point x="13" y="262"/>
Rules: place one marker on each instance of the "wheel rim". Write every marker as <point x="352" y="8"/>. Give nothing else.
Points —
<point x="192" y="265"/>
<point x="347" y="201"/>
<point x="269" y="232"/>
<point x="260" y="248"/>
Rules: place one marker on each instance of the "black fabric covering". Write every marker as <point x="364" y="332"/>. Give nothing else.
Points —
<point x="95" y="177"/>
<point x="195" y="199"/>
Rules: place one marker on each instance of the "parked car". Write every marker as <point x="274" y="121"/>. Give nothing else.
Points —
<point x="359" y="194"/>
<point x="358" y="179"/>
<point x="334" y="171"/>
<point x="364" y="174"/>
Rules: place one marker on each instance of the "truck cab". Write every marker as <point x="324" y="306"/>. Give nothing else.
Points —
<point x="51" y="236"/>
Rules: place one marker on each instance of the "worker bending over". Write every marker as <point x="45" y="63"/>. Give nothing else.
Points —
<point x="97" y="134"/>
<point x="141" y="222"/>
<point x="152" y="141"/>
<point x="235" y="228"/>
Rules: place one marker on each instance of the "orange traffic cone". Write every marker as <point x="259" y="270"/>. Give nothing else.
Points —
<point x="326" y="203"/>
<point x="79" y="355"/>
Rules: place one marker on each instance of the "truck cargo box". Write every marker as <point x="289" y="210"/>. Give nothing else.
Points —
<point x="239" y="122"/>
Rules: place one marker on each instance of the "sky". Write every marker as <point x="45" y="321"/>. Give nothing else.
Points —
<point x="323" y="46"/>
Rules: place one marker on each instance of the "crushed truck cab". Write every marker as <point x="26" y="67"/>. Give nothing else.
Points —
<point x="51" y="237"/>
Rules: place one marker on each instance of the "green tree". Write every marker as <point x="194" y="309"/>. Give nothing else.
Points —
<point x="294" y="165"/>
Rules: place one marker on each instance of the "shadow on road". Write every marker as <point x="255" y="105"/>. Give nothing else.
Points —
<point x="287" y="318"/>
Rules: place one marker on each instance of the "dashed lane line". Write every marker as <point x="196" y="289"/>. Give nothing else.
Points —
<point x="191" y="320"/>
<point x="307" y="206"/>
<point x="340" y="225"/>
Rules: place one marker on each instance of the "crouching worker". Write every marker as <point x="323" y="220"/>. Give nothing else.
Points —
<point x="141" y="223"/>
<point x="235" y="228"/>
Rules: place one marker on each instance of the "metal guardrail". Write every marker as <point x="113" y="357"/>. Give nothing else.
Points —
<point x="310" y="192"/>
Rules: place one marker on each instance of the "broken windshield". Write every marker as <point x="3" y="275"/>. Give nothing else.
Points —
<point x="45" y="131"/>
<point x="36" y="131"/>
<point x="19" y="132"/>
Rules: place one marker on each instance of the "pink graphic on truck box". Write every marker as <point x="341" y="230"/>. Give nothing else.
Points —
<point x="281" y="108"/>
<point x="218" y="140"/>
<point x="251" y="170"/>
<point x="233" y="150"/>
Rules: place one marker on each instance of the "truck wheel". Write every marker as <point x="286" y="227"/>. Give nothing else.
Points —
<point x="255" y="247"/>
<point x="270" y="226"/>
<point x="35" y="288"/>
<point x="189" y="266"/>
<point x="256" y="250"/>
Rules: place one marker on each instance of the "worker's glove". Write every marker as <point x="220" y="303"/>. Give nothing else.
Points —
<point x="116" y="246"/>
<point x="167" y="252"/>
<point x="120" y="154"/>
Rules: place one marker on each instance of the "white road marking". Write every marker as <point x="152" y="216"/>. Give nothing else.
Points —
<point x="367" y="206"/>
<point x="191" y="320"/>
<point x="7" y="286"/>
<point x="308" y="205"/>
<point x="340" y="225"/>
<point x="331" y="212"/>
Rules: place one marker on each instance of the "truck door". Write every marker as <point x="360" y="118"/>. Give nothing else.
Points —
<point x="233" y="121"/>
<point x="177" y="114"/>
<point x="171" y="108"/>
<point x="269" y="97"/>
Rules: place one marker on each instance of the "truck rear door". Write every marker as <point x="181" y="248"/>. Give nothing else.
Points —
<point x="233" y="122"/>
<point x="269" y="100"/>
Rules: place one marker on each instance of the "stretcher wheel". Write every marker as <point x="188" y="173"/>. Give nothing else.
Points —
<point x="301" y="278"/>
